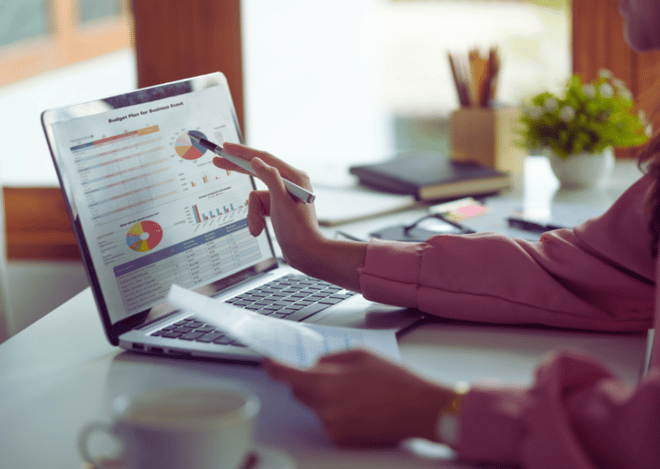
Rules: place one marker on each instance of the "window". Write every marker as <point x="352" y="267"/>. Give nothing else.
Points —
<point x="95" y="10"/>
<point x="351" y="81"/>
<point x="21" y="20"/>
<point x="39" y="35"/>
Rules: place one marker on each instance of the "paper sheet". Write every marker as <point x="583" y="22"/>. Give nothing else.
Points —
<point x="289" y="342"/>
<point x="338" y="205"/>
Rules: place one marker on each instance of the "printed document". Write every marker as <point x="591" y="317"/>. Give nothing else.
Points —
<point x="289" y="342"/>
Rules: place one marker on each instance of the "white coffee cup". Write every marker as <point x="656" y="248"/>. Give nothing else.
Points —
<point x="180" y="428"/>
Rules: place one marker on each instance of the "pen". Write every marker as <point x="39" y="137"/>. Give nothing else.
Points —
<point x="527" y="225"/>
<point x="295" y="190"/>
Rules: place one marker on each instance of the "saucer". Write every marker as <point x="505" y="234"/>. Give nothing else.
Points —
<point x="271" y="458"/>
<point x="265" y="457"/>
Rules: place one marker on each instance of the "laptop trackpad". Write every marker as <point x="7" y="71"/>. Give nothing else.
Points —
<point x="363" y="314"/>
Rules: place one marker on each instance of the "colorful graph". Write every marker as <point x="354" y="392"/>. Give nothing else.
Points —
<point x="144" y="236"/>
<point x="187" y="149"/>
<point x="201" y="216"/>
<point x="204" y="179"/>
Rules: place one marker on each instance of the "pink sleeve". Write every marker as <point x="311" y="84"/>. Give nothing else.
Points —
<point x="577" y="415"/>
<point x="598" y="276"/>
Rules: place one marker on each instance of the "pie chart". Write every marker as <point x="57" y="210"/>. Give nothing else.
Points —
<point x="144" y="236"/>
<point x="186" y="148"/>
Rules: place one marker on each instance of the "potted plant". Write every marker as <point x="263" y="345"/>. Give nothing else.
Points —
<point x="579" y="129"/>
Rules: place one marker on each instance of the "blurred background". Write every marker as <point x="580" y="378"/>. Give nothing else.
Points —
<point x="323" y="84"/>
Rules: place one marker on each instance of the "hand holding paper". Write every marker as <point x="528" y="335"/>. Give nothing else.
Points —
<point x="290" y="342"/>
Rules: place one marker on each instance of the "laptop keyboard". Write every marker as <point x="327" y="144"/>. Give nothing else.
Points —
<point x="294" y="297"/>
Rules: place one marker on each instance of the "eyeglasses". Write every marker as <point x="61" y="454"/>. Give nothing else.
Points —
<point x="420" y="230"/>
<point x="445" y="226"/>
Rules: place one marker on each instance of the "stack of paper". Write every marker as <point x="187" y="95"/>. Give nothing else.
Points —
<point x="337" y="205"/>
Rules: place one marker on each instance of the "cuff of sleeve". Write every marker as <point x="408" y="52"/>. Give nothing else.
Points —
<point x="391" y="272"/>
<point x="491" y="425"/>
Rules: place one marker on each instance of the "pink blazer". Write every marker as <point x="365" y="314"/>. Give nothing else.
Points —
<point x="598" y="276"/>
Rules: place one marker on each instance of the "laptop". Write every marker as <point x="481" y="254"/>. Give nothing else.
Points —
<point x="149" y="210"/>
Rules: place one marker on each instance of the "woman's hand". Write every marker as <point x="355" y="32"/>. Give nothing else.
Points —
<point x="296" y="228"/>
<point x="364" y="400"/>
<point x="294" y="223"/>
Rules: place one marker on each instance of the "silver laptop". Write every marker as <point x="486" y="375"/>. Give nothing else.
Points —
<point x="150" y="210"/>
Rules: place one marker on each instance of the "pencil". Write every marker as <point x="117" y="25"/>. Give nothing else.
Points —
<point x="463" y="97"/>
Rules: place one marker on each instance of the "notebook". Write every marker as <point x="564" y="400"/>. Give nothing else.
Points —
<point x="150" y="210"/>
<point x="432" y="176"/>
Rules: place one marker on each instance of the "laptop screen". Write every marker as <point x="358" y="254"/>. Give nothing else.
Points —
<point x="148" y="206"/>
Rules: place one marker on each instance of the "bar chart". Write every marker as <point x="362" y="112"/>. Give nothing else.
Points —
<point x="197" y="180"/>
<point x="220" y="211"/>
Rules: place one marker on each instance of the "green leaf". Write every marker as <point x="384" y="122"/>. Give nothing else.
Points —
<point x="599" y="122"/>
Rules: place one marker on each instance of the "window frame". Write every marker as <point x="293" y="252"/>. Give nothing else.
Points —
<point x="68" y="41"/>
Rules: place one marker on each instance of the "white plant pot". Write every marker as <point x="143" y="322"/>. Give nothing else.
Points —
<point x="582" y="170"/>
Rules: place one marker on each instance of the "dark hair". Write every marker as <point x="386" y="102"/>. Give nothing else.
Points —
<point x="649" y="155"/>
<point x="649" y="162"/>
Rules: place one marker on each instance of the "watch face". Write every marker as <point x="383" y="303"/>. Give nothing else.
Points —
<point x="448" y="422"/>
<point x="448" y="429"/>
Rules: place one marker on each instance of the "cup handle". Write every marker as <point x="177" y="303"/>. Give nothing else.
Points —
<point x="87" y="431"/>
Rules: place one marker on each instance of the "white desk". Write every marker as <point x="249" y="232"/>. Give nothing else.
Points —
<point x="61" y="372"/>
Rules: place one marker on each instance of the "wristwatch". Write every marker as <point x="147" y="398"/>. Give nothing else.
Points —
<point x="447" y="427"/>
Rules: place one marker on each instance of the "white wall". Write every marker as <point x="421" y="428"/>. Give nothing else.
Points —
<point x="325" y="81"/>
<point x="36" y="288"/>
<point x="25" y="159"/>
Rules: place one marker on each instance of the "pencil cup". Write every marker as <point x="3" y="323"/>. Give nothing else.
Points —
<point x="487" y="136"/>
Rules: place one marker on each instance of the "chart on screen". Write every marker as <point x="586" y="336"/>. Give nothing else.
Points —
<point x="187" y="149"/>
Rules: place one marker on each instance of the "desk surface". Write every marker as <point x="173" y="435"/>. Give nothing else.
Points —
<point x="61" y="372"/>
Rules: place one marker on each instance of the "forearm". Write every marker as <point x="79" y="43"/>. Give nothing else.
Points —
<point x="492" y="278"/>
<point x="335" y="261"/>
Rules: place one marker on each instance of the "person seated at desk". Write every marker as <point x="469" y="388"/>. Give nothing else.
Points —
<point x="602" y="275"/>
